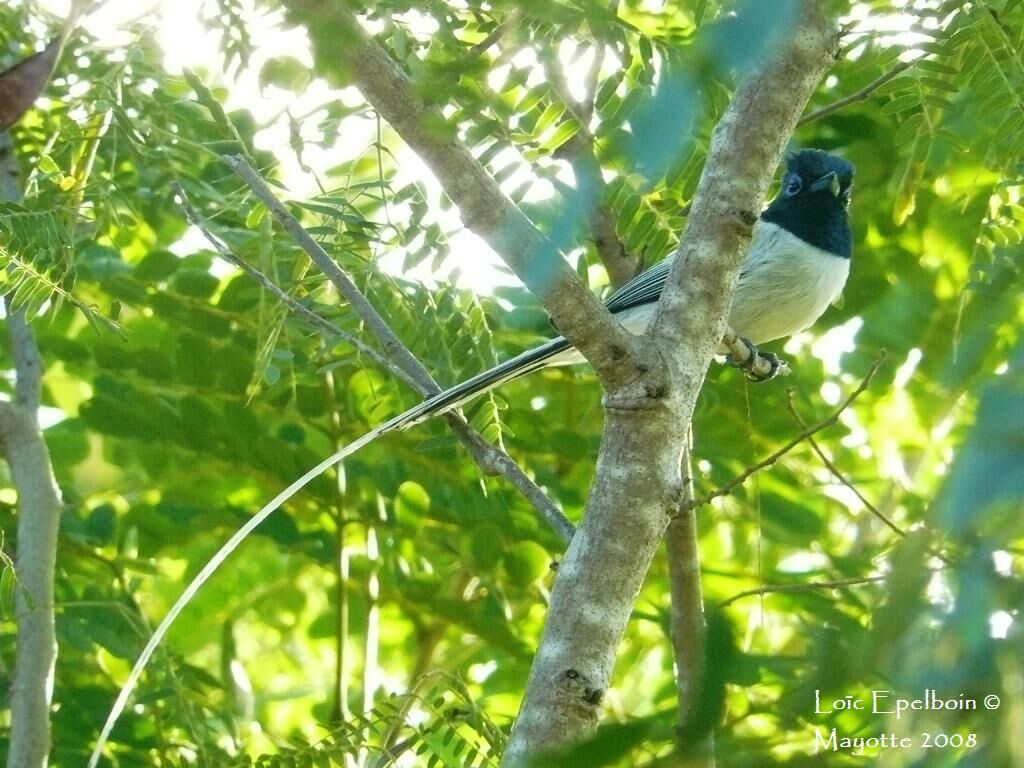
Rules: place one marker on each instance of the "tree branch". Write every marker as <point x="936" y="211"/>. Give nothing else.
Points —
<point x="752" y="361"/>
<point x="300" y="309"/>
<point x="687" y="613"/>
<point x="378" y="326"/>
<point x="621" y="265"/>
<point x="637" y="485"/>
<point x="485" y="210"/>
<point x="741" y="163"/>
<point x="808" y="586"/>
<point x="860" y="95"/>
<point x="402" y="363"/>
<point x="27" y="363"/>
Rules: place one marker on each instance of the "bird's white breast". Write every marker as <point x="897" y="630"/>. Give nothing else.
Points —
<point x="785" y="285"/>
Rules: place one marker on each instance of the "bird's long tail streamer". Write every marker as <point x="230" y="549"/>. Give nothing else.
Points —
<point x="208" y="570"/>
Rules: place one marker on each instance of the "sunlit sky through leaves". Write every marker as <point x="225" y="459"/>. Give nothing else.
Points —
<point x="190" y="40"/>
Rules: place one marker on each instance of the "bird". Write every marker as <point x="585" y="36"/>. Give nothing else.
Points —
<point x="797" y="265"/>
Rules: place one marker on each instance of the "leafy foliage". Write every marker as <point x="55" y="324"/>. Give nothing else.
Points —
<point x="455" y="732"/>
<point x="322" y="639"/>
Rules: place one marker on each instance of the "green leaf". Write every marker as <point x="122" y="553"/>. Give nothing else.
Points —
<point x="562" y="134"/>
<point x="901" y="104"/>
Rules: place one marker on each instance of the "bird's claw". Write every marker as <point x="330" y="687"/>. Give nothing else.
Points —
<point x="756" y="373"/>
<point x="758" y="366"/>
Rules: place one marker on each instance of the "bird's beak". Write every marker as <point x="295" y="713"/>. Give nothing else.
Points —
<point x="829" y="181"/>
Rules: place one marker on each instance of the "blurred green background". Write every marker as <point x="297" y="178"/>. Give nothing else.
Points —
<point x="420" y="574"/>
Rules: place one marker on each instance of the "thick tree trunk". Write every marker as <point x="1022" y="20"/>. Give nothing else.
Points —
<point x="638" y="483"/>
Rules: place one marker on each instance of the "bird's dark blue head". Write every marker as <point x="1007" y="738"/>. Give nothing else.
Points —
<point x="812" y="203"/>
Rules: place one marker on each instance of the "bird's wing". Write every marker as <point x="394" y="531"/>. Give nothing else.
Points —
<point x="645" y="288"/>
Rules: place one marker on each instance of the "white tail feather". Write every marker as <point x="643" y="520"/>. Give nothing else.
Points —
<point x="554" y="352"/>
<point x="208" y="570"/>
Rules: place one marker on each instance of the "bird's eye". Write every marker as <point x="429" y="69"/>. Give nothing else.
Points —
<point x="793" y="185"/>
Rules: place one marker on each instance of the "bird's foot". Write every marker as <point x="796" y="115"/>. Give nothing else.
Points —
<point x="757" y="366"/>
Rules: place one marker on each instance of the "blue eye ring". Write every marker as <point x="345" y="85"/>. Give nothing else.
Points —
<point x="793" y="185"/>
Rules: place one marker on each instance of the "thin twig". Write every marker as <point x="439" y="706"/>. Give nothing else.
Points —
<point x="807" y="586"/>
<point x="860" y="95"/>
<point x="774" y="457"/>
<point x="830" y="465"/>
<point x="588" y="104"/>
<point x="393" y="346"/>
<point x="273" y="289"/>
<point x="480" y="48"/>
